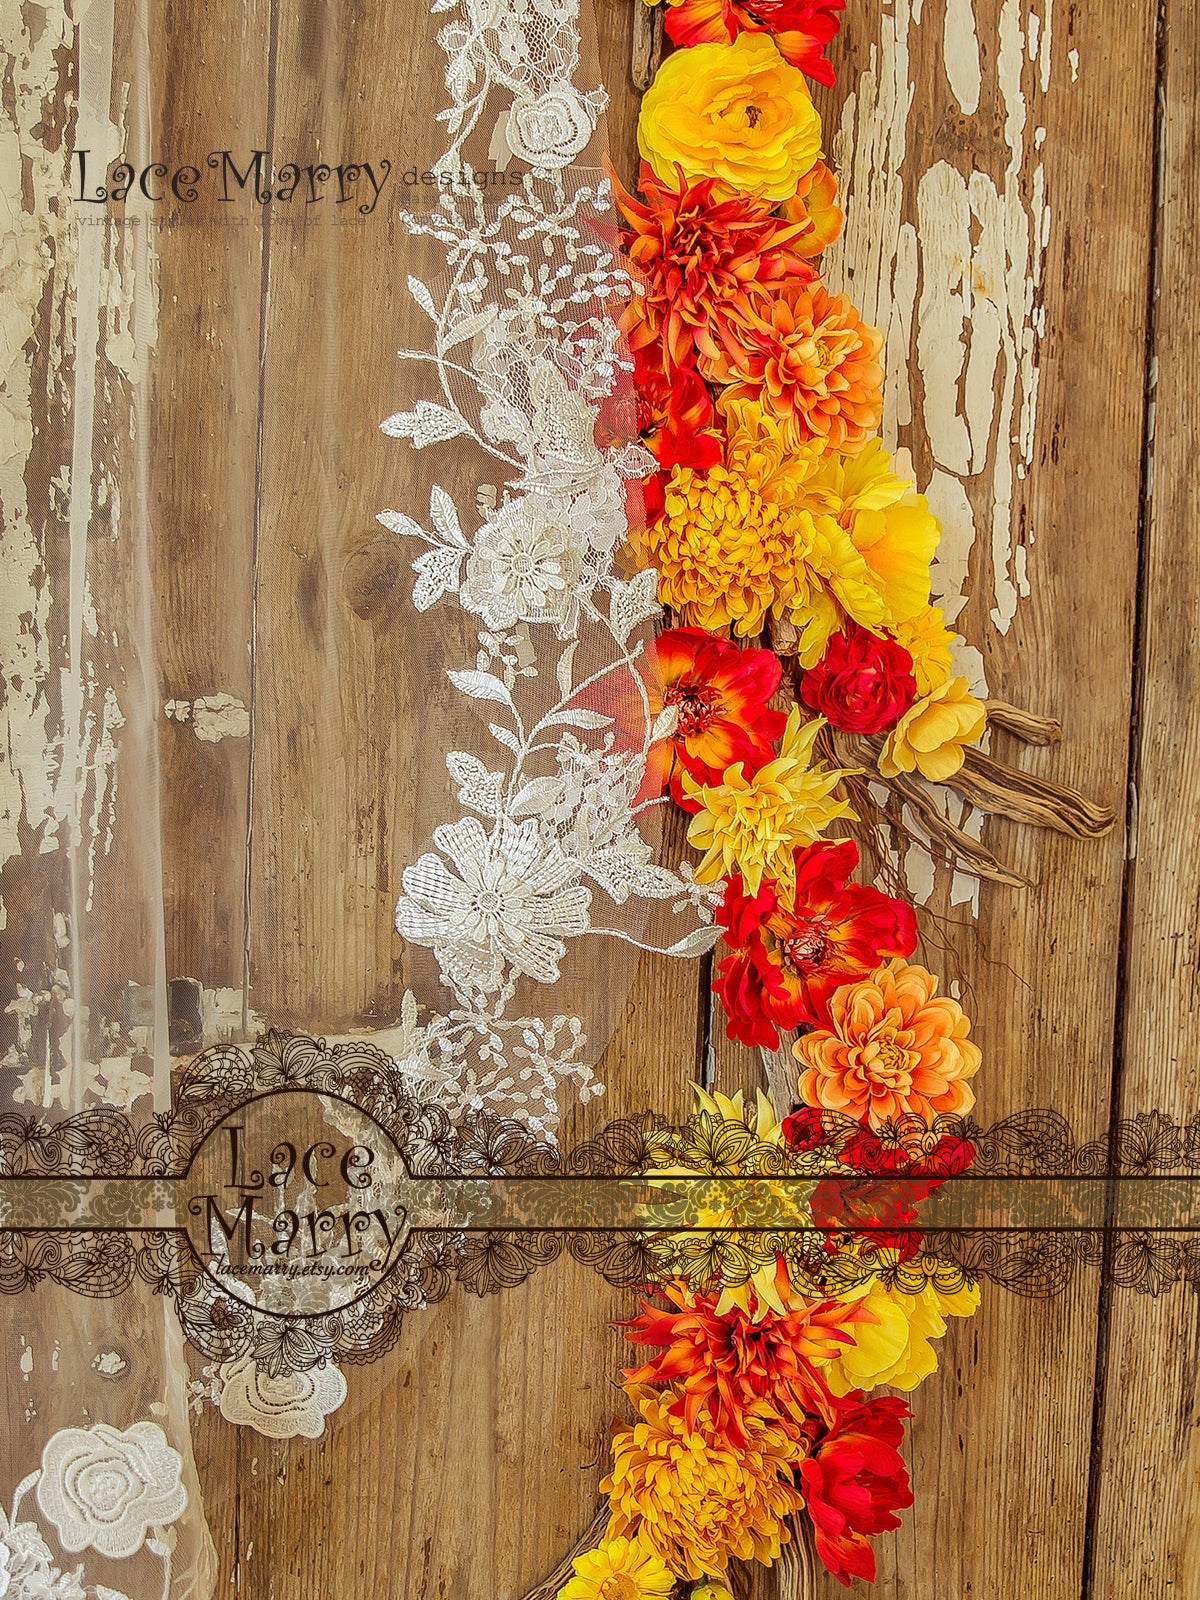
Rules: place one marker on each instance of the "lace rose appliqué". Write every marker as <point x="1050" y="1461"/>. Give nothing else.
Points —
<point x="107" y="1489"/>
<point x="515" y="902"/>
<point x="295" y="1403"/>
<point x="551" y="130"/>
<point x="524" y="567"/>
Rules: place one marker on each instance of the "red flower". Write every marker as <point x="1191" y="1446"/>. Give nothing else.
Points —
<point x="789" y="961"/>
<point x="733" y="1360"/>
<point x="899" y="1170"/>
<point x="853" y="1482"/>
<point x="802" y="28"/>
<point x="675" y="416"/>
<point x="701" y="262"/>
<point x="862" y="684"/>
<point x="721" y="692"/>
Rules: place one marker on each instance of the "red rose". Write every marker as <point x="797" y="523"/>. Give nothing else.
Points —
<point x="853" y="1481"/>
<point x="862" y="684"/>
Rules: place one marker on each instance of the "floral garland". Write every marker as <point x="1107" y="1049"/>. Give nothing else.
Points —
<point x="774" y="510"/>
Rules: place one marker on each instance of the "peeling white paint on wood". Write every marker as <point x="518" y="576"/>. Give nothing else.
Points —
<point x="948" y="262"/>
<point x="212" y="717"/>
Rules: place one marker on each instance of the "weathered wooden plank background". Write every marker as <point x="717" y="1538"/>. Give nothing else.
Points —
<point x="202" y="642"/>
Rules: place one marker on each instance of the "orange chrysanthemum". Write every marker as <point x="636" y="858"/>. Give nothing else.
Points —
<point x="894" y="1047"/>
<point x="701" y="260"/>
<point x="692" y="1497"/>
<point x="811" y="362"/>
<point x="728" y="1362"/>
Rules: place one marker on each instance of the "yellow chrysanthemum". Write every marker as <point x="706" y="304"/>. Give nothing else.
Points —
<point x="724" y="551"/>
<point x="692" y="1498"/>
<point x="893" y="1347"/>
<point x="930" y="737"/>
<point x="745" y="538"/>
<point x="927" y="640"/>
<point x="736" y="112"/>
<point x="891" y="527"/>
<point x="621" y="1569"/>
<point x="753" y="825"/>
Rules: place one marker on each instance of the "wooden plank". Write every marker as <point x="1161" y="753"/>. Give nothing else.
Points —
<point x="204" y="423"/>
<point x="996" y="174"/>
<point x="1146" y="1537"/>
<point x="467" y="1461"/>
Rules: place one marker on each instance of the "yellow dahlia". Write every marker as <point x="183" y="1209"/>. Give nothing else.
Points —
<point x="754" y="825"/>
<point x="621" y="1569"/>
<point x="891" y="527"/>
<point x="740" y="539"/>
<point x="927" y="640"/>
<point x="727" y="1140"/>
<point x="735" y="112"/>
<point x="694" y="1499"/>
<point x="890" y="1335"/>
<point x="723" y="550"/>
<point x="931" y="736"/>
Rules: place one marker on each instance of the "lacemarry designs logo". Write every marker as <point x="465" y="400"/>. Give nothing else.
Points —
<point x="227" y="176"/>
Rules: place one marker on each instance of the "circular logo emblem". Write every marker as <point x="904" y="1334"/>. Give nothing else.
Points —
<point x="293" y="1203"/>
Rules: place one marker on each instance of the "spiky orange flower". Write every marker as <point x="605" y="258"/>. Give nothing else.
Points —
<point x="802" y="28"/>
<point x="701" y="260"/>
<point x="731" y="1361"/>
<point x="809" y="361"/>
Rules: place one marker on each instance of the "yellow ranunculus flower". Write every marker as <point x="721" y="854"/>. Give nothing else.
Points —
<point x="930" y="737"/>
<point x="927" y="640"/>
<point x="736" y="112"/>
<point x="894" y="1348"/>
<point x="891" y="526"/>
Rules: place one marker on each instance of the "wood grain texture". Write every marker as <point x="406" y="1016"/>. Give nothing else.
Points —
<point x="1146" y="1490"/>
<point x="1000" y="1441"/>
<point x="238" y="555"/>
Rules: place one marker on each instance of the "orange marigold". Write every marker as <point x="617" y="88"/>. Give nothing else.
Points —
<point x="701" y="260"/>
<point x="894" y="1046"/>
<point x="694" y="1498"/>
<point x="811" y="362"/>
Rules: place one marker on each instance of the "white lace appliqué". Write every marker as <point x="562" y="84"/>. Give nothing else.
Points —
<point x="101" y="1488"/>
<point x="525" y="351"/>
<point x="290" y="1405"/>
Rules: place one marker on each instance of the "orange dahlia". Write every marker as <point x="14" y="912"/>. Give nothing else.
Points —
<point x="728" y="1362"/>
<point x="811" y="362"/>
<point x="802" y="28"/>
<point x="701" y="260"/>
<point x="894" y="1046"/>
<point x="721" y="693"/>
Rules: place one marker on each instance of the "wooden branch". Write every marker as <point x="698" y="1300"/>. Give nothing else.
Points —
<point x="588" y="1540"/>
<point x="647" y="50"/>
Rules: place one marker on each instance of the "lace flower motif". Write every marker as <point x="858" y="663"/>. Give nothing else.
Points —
<point x="524" y="567"/>
<point x="26" y="1568"/>
<point x="514" y="902"/>
<point x="105" y="1488"/>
